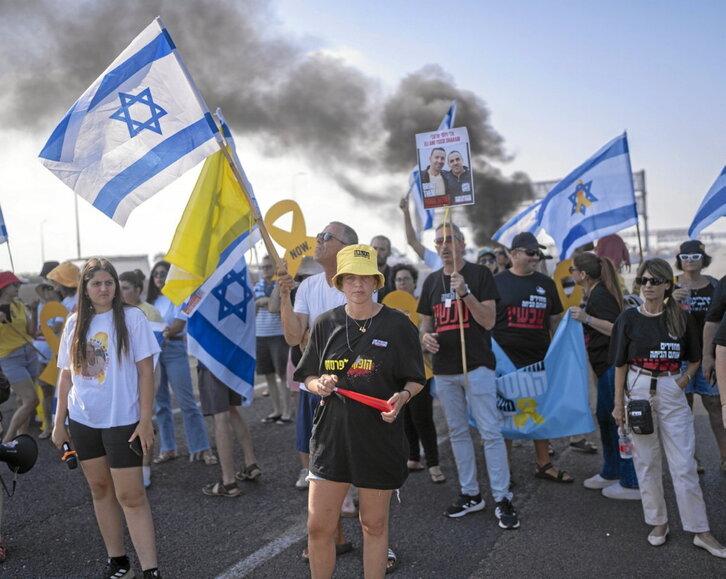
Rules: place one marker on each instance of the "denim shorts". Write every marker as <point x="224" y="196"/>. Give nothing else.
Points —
<point x="699" y="384"/>
<point x="20" y="364"/>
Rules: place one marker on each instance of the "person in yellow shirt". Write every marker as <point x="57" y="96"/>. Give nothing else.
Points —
<point x="18" y="358"/>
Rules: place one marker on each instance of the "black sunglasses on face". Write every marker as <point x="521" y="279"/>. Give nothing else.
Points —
<point x="654" y="281"/>
<point x="530" y="252"/>
<point x="326" y="236"/>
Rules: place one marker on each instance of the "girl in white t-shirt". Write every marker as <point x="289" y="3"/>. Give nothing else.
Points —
<point x="106" y="390"/>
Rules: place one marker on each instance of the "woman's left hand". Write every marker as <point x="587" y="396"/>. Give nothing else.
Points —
<point x="578" y="314"/>
<point x="683" y="380"/>
<point x="144" y="431"/>
<point x="397" y="402"/>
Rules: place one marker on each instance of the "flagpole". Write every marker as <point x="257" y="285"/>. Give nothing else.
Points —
<point x="10" y="254"/>
<point x="459" y="305"/>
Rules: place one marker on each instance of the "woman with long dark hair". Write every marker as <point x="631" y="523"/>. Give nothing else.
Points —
<point x="599" y="280"/>
<point x="648" y="346"/>
<point x="106" y="391"/>
<point x="174" y="363"/>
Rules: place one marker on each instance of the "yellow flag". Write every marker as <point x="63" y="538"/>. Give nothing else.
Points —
<point x="217" y="213"/>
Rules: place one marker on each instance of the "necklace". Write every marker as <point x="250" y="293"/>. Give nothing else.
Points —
<point x="644" y="310"/>
<point x="362" y="329"/>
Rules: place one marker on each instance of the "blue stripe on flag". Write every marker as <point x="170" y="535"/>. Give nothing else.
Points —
<point x="54" y="147"/>
<point x="712" y="207"/>
<point x="156" y="49"/>
<point x="221" y="348"/>
<point x="155" y="161"/>
<point x="598" y="222"/>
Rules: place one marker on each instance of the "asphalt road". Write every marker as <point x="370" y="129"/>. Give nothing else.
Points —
<point x="566" y="531"/>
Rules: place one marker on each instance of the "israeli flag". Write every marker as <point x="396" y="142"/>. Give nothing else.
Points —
<point x="594" y="200"/>
<point x="527" y="220"/>
<point x="139" y="126"/>
<point x="221" y="323"/>
<point x="3" y="229"/>
<point x="426" y="216"/>
<point x="712" y="207"/>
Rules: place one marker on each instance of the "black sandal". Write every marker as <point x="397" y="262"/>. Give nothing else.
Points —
<point x="541" y="472"/>
<point x="250" y="473"/>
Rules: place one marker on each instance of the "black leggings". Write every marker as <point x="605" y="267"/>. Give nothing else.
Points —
<point x="419" y="425"/>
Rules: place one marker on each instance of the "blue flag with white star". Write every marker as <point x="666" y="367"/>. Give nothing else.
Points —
<point x="221" y="323"/>
<point x="139" y="126"/>
<point x="593" y="201"/>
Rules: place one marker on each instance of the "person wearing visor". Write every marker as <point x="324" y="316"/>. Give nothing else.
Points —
<point x="648" y="346"/>
<point x="527" y="317"/>
<point x="694" y="291"/>
<point x="488" y="259"/>
<point x="18" y="358"/>
<point x="370" y="349"/>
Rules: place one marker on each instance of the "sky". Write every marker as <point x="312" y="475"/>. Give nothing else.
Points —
<point x="560" y="79"/>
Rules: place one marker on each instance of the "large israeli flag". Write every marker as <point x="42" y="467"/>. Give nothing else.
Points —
<point x="426" y="216"/>
<point x="594" y="200"/>
<point x="3" y="229"/>
<point x="138" y="127"/>
<point x="527" y="220"/>
<point x="221" y="323"/>
<point x="712" y="207"/>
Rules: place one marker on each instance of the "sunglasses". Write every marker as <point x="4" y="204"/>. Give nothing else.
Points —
<point x="530" y="252"/>
<point x="447" y="239"/>
<point x="326" y="236"/>
<point x="690" y="257"/>
<point x="487" y="260"/>
<point x="654" y="281"/>
<point x="160" y="274"/>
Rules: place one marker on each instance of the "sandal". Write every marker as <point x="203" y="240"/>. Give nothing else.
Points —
<point x="414" y="466"/>
<point x="208" y="458"/>
<point x="250" y="473"/>
<point x="392" y="562"/>
<point x="219" y="489"/>
<point x="584" y="445"/>
<point x="341" y="549"/>
<point x="436" y="475"/>
<point x="541" y="472"/>
<point x="165" y="456"/>
<point x="271" y="418"/>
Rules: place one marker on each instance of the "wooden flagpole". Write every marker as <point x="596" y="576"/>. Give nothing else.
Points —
<point x="459" y="305"/>
<point x="10" y="254"/>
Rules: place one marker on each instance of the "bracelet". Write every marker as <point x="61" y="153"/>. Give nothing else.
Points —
<point x="409" y="395"/>
<point x="466" y="294"/>
<point x="687" y="376"/>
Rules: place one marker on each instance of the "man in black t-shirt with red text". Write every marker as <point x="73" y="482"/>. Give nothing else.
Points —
<point x="472" y="286"/>
<point x="527" y="316"/>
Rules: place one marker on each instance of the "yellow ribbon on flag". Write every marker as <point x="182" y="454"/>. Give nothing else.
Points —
<point x="527" y="410"/>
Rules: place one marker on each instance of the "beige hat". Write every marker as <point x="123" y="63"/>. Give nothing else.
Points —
<point x="358" y="259"/>
<point x="66" y="274"/>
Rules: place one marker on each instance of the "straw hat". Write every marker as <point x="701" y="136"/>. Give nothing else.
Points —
<point x="66" y="274"/>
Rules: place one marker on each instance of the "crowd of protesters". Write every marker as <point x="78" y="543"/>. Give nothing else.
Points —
<point x="333" y="333"/>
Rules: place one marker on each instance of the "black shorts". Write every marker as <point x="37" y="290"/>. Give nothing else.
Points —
<point x="272" y="352"/>
<point x="112" y="442"/>
<point x="214" y="395"/>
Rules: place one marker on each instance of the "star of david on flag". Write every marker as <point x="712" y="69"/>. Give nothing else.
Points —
<point x="137" y="128"/>
<point x="573" y="215"/>
<point x="242" y="295"/>
<point x="127" y="111"/>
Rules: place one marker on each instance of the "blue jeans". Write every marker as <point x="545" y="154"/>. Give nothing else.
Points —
<point x="174" y="364"/>
<point x="614" y="467"/>
<point x="479" y="398"/>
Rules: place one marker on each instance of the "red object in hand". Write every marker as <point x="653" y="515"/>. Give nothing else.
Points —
<point x="376" y="403"/>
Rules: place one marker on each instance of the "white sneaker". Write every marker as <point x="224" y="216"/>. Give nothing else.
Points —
<point x="597" y="482"/>
<point x="619" y="492"/>
<point x="302" y="479"/>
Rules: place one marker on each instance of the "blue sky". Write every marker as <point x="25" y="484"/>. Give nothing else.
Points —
<point x="560" y="79"/>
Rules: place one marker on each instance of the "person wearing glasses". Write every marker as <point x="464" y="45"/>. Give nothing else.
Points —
<point x="174" y="364"/>
<point x="488" y="259"/>
<point x="694" y="291"/>
<point x="604" y="303"/>
<point x="272" y="350"/>
<point x="464" y="295"/>
<point x="649" y="344"/>
<point x="527" y="317"/>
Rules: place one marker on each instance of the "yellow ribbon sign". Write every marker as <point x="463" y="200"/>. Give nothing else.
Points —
<point x="527" y="409"/>
<point x="570" y="293"/>
<point x="296" y="242"/>
<point x="50" y="311"/>
<point x="406" y="303"/>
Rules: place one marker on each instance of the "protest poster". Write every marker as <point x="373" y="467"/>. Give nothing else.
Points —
<point x="444" y="163"/>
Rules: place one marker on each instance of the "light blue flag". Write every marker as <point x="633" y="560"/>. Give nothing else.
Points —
<point x="221" y="323"/>
<point x="712" y="207"/>
<point x="594" y="200"/>
<point x="3" y="229"/>
<point x="426" y="216"/>
<point x="527" y="220"/>
<point x="550" y="398"/>
<point x="139" y="126"/>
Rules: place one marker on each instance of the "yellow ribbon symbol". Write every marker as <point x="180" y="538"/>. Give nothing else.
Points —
<point x="50" y="311"/>
<point x="527" y="409"/>
<point x="296" y="243"/>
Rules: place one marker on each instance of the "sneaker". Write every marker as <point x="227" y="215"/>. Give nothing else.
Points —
<point x="619" y="492"/>
<point x="464" y="505"/>
<point x="302" y="479"/>
<point x="116" y="570"/>
<point x="597" y="482"/>
<point x="152" y="574"/>
<point x="506" y="514"/>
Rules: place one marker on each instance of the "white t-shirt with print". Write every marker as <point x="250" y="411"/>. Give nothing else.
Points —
<point x="106" y="393"/>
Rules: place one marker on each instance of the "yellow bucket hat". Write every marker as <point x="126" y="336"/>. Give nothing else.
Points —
<point x="66" y="274"/>
<point x="358" y="259"/>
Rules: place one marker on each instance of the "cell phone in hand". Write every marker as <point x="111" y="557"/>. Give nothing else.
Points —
<point x="135" y="446"/>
